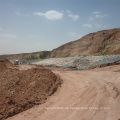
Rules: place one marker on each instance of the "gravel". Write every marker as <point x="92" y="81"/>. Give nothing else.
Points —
<point x="78" y="63"/>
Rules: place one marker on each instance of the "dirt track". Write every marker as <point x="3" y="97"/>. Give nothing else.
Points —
<point x="84" y="95"/>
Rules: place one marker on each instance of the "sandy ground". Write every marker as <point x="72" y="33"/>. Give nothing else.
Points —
<point x="84" y="95"/>
<point x="24" y="67"/>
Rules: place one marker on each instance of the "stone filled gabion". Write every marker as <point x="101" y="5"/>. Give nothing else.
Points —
<point x="79" y="63"/>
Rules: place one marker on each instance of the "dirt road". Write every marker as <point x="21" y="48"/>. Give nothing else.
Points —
<point x="84" y="95"/>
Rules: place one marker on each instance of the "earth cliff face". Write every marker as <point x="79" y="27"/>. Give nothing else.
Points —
<point x="104" y="42"/>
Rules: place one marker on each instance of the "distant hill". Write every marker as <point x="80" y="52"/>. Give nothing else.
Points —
<point x="26" y="56"/>
<point x="105" y="42"/>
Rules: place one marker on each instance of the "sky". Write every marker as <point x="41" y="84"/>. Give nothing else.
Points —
<point x="38" y="25"/>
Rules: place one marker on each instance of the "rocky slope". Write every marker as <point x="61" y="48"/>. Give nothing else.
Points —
<point x="105" y="42"/>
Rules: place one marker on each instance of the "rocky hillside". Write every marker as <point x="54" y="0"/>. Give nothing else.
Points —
<point x="26" y="56"/>
<point x="105" y="42"/>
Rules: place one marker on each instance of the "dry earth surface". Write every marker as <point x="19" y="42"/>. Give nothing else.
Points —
<point x="84" y="95"/>
<point x="22" y="87"/>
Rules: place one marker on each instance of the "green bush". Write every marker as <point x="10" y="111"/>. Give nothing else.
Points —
<point x="42" y="55"/>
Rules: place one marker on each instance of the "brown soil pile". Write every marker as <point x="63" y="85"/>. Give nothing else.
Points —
<point x="7" y="63"/>
<point x="21" y="90"/>
<point x="2" y="66"/>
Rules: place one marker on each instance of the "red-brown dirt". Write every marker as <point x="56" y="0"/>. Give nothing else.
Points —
<point x="84" y="95"/>
<point x="2" y="66"/>
<point x="105" y="42"/>
<point x="22" y="89"/>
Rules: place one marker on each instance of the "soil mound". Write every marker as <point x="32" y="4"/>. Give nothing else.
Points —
<point x="7" y="63"/>
<point x="2" y="66"/>
<point x="21" y="90"/>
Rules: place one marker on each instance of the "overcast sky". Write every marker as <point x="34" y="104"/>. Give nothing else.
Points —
<point x="36" y="25"/>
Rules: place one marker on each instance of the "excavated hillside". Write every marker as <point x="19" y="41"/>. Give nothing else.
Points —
<point x="105" y="42"/>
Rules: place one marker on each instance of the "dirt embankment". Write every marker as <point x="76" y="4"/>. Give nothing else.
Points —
<point x="4" y="64"/>
<point x="22" y="89"/>
<point x="105" y="42"/>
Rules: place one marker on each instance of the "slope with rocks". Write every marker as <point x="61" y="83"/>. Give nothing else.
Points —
<point x="105" y="42"/>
